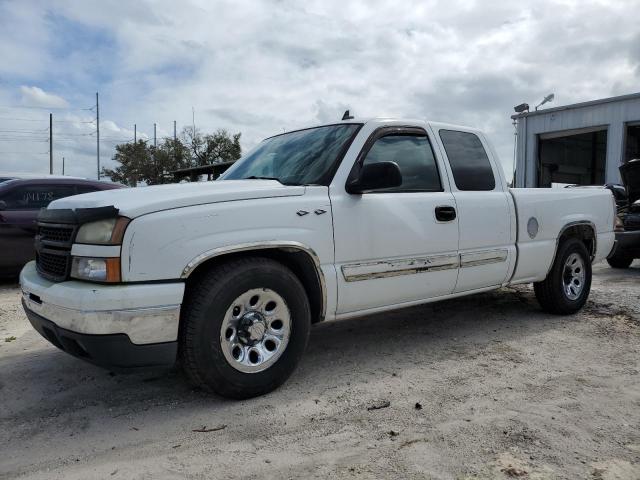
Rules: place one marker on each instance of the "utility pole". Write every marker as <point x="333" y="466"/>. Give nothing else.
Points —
<point x="135" y="133"/>
<point x="193" y="118"/>
<point x="62" y="165"/>
<point x="155" y="164"/>
<point x="515" y="152"/>
<point x="51" y="144"/>
<point x="175" y="142"/>
<point x="98" y="134"/>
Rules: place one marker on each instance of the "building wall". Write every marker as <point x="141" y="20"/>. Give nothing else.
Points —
<point x="613" y="114"/>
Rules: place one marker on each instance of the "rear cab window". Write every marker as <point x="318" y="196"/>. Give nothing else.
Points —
<point x="469" y="162"/>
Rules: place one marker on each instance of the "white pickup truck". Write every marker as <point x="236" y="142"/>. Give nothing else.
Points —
<point x="324" y="223"/>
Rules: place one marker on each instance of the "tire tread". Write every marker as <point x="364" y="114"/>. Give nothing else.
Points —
<point x="195" y="306"/>
<point x="550" y="299"/>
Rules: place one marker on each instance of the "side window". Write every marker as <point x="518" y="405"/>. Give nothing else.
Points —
<point x="469" y="161"/>
<point x="34" y="197"/>
<point x="414" y="156"/>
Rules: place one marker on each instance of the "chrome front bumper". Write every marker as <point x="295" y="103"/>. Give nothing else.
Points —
<point x="145" y="313"/>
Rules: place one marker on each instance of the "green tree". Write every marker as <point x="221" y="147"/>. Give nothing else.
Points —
<point x="143" y="163"/>
<point x="219" y="146"/>
<point x="133" y="158"/>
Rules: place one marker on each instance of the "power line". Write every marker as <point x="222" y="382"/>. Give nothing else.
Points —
<point x="24" y="131"/>
<point x="23" y="119"/>
<point x="76" y="134"/>
<point x="24" y="153"/>
<point x="28" y="107"/>
<point x="44" y="120"/>
<point x="74" y="121"/>
<point x="22" y="140"/>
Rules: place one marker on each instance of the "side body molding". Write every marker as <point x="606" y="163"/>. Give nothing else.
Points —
<point x="266" y="245"/>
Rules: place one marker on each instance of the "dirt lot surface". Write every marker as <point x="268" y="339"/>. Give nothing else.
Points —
<point x="482" y="387"/>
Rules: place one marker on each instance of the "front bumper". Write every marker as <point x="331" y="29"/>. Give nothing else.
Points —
<point x="113" y="351"/>
<point x="628" y="244"/>
<point x="127" y="325"/>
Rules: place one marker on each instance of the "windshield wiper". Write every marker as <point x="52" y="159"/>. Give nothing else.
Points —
<point x="257" y="177"/>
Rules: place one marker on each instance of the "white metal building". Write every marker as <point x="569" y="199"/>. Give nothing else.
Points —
<point x="583" y="143"/>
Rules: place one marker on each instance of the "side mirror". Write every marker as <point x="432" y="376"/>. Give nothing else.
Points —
<point x="3" y="205"/>
<point x="376" y="176"/>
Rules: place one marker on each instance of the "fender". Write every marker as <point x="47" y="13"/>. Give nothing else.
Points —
<point x="569" y="225"/>
<point x="264" y="245"/>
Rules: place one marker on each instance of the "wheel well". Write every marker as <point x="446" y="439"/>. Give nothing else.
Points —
<point x="299" y="261"/>
<point x="583" y="232"/>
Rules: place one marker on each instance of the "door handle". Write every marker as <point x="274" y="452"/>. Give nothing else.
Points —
<point x="445" y="213"/>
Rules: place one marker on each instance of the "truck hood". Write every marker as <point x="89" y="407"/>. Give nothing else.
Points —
<point x="630" y="173"/>
<point x="133" y="202"/>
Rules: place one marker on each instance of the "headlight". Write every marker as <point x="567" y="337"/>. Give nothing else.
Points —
<point x="103" y="232"/>
<point x="96" y="269"/>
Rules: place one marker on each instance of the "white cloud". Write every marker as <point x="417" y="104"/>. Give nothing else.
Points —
<point x="36" y="97"/>
<point x="258" y="67"/>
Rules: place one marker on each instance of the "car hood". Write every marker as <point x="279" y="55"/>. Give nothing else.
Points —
<point x="630" y="173"/>
<point x="133" y="202"/>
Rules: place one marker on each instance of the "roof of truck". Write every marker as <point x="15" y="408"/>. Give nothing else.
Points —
<point x="385" y="121"/>
<point x="407" y="121"/>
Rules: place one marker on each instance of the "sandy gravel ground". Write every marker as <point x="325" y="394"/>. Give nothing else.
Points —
<point x="482" y="387"/>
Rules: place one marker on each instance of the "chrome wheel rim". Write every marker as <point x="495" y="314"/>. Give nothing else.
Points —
<point x="255" y="330"/>
<point x="573" y="276"/>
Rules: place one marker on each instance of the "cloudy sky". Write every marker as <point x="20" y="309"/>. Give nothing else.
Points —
<point x="264" y="66"/>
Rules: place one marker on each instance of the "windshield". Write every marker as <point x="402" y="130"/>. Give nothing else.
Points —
<point x="303" y="157"/>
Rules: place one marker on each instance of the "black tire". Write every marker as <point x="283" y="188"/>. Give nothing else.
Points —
<point x="206" y="304"/>
<point x="619" y="261"/>
<point x="551" y="293"/>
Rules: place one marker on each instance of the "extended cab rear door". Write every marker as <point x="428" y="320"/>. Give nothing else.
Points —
<point x="485" y="209"/>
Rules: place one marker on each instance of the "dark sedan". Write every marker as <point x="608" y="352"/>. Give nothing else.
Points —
<point x="20" y="202"/>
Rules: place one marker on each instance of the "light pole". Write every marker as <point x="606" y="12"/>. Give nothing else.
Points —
<point x="548" y="98"/>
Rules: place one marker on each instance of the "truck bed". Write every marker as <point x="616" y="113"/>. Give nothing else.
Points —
<point x="554" y="210"/>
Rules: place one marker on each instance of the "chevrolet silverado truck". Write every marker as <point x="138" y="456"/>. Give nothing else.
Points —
<point x="331" y="222"/>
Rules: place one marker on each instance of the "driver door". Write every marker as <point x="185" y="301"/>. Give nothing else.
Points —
<point x="395" y="246"/>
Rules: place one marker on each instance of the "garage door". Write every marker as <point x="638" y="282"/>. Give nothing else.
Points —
<point x="578" y="158"/>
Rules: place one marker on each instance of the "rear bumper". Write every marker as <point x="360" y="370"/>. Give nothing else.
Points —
<point x="112" y="351"/>
<point x="628" y="244"/>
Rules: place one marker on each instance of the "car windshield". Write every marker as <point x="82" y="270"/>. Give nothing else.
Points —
<point x="303" y="157"/>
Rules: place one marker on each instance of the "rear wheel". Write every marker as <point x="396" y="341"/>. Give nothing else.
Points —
<point x="567" y="286"/>
<point x="619" y="261"/>
<point x="245" y="327"/>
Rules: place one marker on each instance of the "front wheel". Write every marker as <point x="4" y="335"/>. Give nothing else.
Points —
<point x="244" y="328"/>
<point x="567" y="286"/>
